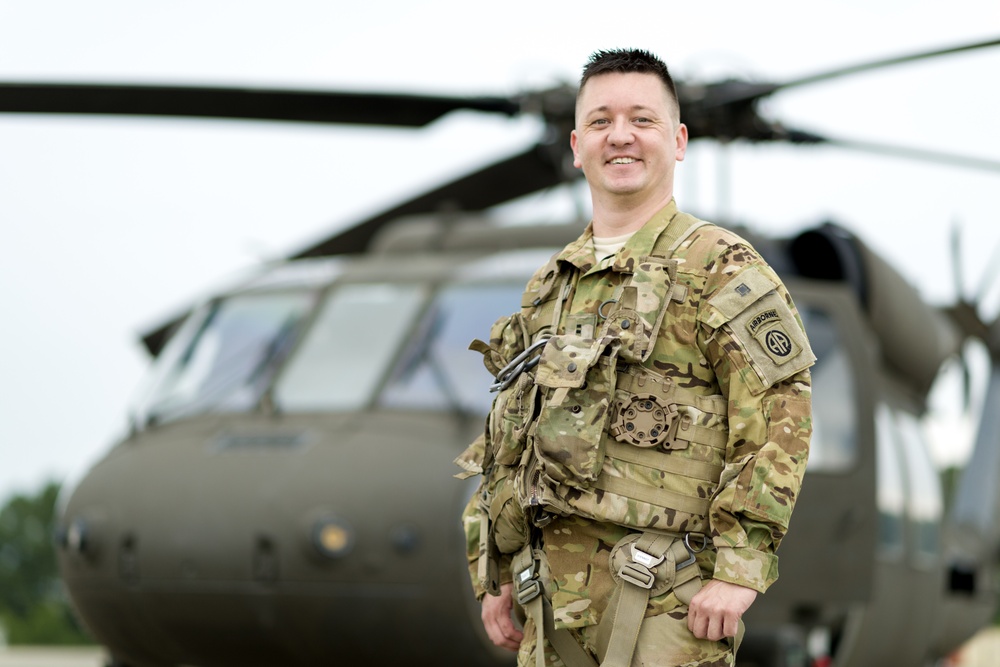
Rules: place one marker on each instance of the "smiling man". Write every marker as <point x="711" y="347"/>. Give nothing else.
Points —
<point x="640" y="472"/>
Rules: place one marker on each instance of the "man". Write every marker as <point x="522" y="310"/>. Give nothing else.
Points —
<point x="651" y="430"/>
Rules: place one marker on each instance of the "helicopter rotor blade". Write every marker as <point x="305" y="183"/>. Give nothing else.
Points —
<point x="956" y="260"/>
<point x="521" y="174"/>
<point x="241" y="103"/>
<point x="534" y="169"/>
<point x="989" y="275"/>
<point x="891" y="150"/>
<point x="737" y="92"/>
<point x="938" y="157"/>
<point x="886" y="62"/>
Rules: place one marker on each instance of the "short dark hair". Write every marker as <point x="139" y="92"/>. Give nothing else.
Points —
<point x="628" y="61"/>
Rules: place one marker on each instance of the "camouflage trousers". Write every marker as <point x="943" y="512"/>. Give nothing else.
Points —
<point x="664" y="641"/>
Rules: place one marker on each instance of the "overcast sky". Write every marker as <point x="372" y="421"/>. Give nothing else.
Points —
<point x="111" y="225"/>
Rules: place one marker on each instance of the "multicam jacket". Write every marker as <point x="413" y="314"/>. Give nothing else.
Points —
<point x="672" y="394"/>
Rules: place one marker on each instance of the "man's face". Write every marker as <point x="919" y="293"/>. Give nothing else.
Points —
<point x="627" y="140"/>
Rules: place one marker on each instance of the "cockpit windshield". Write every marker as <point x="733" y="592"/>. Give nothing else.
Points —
<point x="437" y="370"/>
<point x="225" y="356"/>
<point x="357" y="333"/>
<point x="398" y="346"/>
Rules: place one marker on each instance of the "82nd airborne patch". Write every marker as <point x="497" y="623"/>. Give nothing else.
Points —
<point x="759" y="319"/>
<point x="768" y="328"/>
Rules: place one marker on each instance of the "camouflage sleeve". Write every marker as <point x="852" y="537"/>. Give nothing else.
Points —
<point x="474" y="520"/>
<point x="769" y="392"/>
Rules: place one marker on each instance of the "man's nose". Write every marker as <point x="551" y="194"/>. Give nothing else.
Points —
<point x="621" y="133"/>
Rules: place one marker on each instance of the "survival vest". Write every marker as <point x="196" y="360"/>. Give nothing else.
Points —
<point x="584" y="424"/>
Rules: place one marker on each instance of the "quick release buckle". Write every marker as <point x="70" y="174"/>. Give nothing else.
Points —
<point x="637" y="571"/>
<point x="528" y="586"/>
<point x="519" y="364"/>
<point x="643" y="558"/>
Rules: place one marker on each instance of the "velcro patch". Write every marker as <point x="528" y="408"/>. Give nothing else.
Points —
<point x="745" y="289"/>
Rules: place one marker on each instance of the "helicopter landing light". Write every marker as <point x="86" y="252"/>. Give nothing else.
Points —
<point x="333" y="538"/>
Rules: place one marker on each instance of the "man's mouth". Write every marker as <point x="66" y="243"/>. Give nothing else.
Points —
<point x="623" y="160"/>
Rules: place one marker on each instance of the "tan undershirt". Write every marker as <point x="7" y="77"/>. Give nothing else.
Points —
<point x="608" y="246"/>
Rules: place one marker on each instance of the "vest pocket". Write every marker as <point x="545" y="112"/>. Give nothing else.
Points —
<point x="513" y="407"/>
<point x="508" y="523"/>
<point x="576" y="379"/>
<point x="513" y="411"/>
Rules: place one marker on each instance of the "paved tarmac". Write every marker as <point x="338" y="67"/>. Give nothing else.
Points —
<point x="44" y="656"/>
<point x="982" y="651"/>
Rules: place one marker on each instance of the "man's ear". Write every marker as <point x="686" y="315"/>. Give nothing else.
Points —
<point x="681" y="138"/>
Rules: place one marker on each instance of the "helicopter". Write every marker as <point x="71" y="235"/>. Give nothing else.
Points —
<point x="284" y="494"/>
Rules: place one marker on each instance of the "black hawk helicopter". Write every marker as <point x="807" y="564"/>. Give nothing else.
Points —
<point x="285" y="494"/>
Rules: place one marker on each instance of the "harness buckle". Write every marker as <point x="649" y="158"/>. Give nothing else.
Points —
<point x="636" y="570"/>
<point x="528" y="586"/>
<point x="642" y="558"/>
<point x="637" y="575"/>
<point x="528" y="591"/>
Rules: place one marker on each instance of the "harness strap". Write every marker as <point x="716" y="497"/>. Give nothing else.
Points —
<point x="652" y="495"/>
<point x="701" y="470"/>
<point x="647" y="564"/>
<point x="530" y="571"/>
<point x="639" y="379"/>
<point x="562" y="641"/>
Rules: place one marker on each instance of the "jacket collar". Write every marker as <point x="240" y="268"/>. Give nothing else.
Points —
<point x="580" y="253"/>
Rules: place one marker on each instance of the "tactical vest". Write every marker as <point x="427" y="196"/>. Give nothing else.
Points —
<point x="582" y="426"/>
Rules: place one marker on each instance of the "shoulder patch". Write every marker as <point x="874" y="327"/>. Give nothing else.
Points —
<point x="756" y="315"/>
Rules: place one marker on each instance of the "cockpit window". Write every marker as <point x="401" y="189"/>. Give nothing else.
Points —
<point x="347" y="350"/>
<point x="908" y="486"/>
<point x="225" y="359"/>
<point x="437" y="370"/>
<point x="834" y="445"/>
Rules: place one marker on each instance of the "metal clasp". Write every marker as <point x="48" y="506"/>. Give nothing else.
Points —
<point x="643" y="558"/>
<point x="600" y="309"/>
<point x="692" y="551"/>
<point x="519" y="364"/>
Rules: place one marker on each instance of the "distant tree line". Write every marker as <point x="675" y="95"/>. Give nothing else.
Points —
<point x="34" y="608"/>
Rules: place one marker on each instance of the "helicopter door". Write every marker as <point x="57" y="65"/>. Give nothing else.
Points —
<point x="829" y="551"/>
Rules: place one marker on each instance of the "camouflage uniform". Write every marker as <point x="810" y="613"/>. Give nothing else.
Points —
<point x="732" y="368"/>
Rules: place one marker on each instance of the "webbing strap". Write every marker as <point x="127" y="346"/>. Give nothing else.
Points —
<point x="630" y="607"/>
<point x="651" y="458"/>
<point x="682" y="231"/>
<point x="529" y="591"/>
<point x="652" y="495"/>
<point x="562" y="641"/>
<point x="619" y="628"/>
<point x="639" y="379"/>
